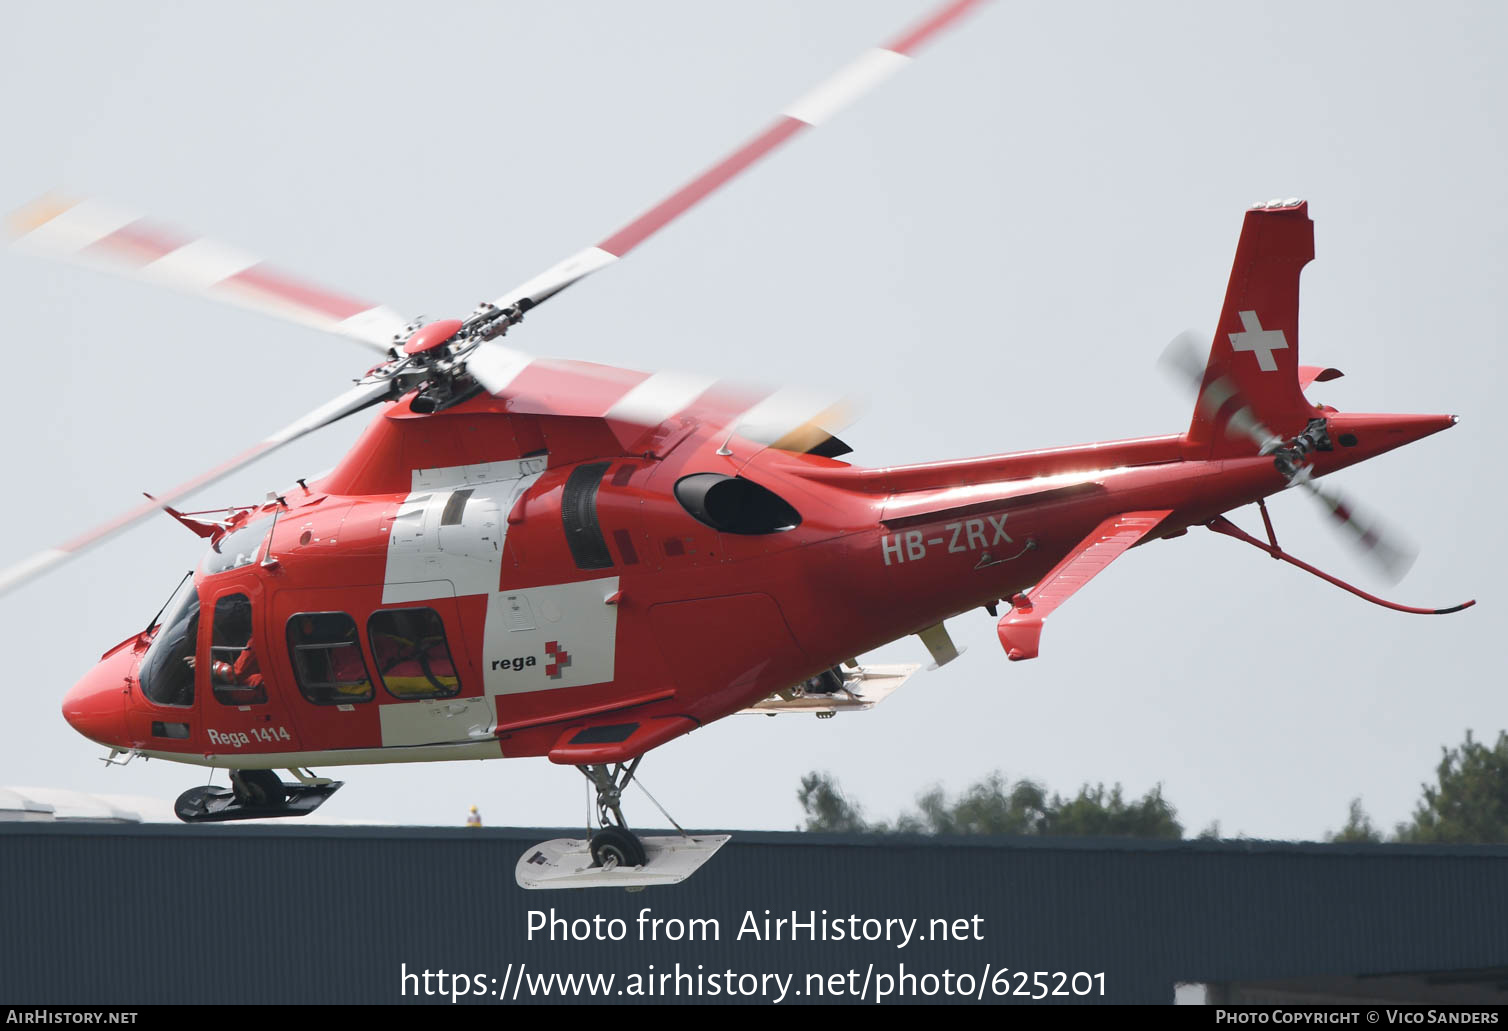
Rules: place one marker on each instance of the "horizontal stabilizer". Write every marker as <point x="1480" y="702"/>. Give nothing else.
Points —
<point x="1021" y="628"/>
<point x="1311" y="374"/>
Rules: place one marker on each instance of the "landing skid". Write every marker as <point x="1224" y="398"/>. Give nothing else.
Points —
<point x="615" y="856"/>
<point x="568" y="863"/>
<point x="205" y="804"/>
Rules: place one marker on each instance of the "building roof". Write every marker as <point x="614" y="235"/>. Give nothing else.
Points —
<point x="1149" y="914"/>
<point x="67" y="805"/>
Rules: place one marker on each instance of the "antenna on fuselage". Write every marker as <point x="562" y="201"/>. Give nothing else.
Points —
<point x="270" y="561"/>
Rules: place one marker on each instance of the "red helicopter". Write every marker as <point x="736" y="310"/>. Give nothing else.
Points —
<point x="528" y="556"/>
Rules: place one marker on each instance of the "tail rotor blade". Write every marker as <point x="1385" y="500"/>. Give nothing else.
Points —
<point x="1390" y="554"/>
<point x="1182" y="360"/>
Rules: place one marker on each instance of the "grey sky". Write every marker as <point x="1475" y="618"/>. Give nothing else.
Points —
<point x="992" y="249"/>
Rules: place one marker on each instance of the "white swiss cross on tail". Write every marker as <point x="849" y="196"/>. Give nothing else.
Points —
<point x="1260" y="341"/>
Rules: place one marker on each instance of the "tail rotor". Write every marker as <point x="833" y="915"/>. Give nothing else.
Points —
<point x="1387" y="552"/>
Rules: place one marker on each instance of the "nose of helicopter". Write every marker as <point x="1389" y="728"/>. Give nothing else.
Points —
<point x="96" y="705"/>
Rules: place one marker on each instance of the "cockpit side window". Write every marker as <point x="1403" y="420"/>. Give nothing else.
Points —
<point x="327" y="659"/>
<point x="235" y="675"/>
<point x="238" y="548"/>
<point x="413" y="658"/>
<point x="167" y="672"/>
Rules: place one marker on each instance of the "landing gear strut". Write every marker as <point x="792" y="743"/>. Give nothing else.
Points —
<point x="258" y="787"/>
<point x="613" y="845"/>
<point x="615" y="856"/>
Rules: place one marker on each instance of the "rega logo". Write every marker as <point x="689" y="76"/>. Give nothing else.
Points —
<point x="515" y="664"/>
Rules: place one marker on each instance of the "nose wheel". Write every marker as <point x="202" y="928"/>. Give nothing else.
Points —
<point x="613" y="845"/>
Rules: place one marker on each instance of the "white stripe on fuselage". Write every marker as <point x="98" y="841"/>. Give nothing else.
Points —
<point x="575" y="618"/>
<point x="536" y="638"/>
<point x="489" y="748"/>
<point x="428" y="559"/>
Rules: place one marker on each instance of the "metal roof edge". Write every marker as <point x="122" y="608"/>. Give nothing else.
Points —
<point x="527" y="835"/>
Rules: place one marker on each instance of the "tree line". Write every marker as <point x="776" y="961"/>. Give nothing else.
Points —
<point x="1466" y="804"/>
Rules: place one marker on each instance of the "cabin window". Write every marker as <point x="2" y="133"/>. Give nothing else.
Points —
<point x="238" y="548"/>
<point x="732" y="504"/>
<point x="235" y="675"/>
<point x="455" y="508"/>
<point x="167" y="673"/>
<point x="413" y="657"/>
<point x="327" y="660"/>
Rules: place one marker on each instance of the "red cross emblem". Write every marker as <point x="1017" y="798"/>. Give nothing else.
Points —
<point x="558" y="658"/>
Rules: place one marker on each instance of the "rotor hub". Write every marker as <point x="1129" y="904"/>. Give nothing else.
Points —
<point x="433" y="336"/>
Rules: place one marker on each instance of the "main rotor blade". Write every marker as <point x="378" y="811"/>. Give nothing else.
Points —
<point x="847" y="85"/>
<point x="92" y="233"/>
<point x="358" y="397"/>
<point x="635" y="403"/>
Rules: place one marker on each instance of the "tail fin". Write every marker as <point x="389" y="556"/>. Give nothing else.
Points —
<point x="1253" y="371"/>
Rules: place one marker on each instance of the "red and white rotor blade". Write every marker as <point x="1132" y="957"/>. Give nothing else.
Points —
<point x="635" y="404"/>
<point x="95" y="234"/>
<point x="353" y="400"/>
<point x="494" y="365"/>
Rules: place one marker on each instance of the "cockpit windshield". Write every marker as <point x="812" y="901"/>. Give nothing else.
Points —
<point x="167" y="673"/>
<point x="238" y="548"/>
